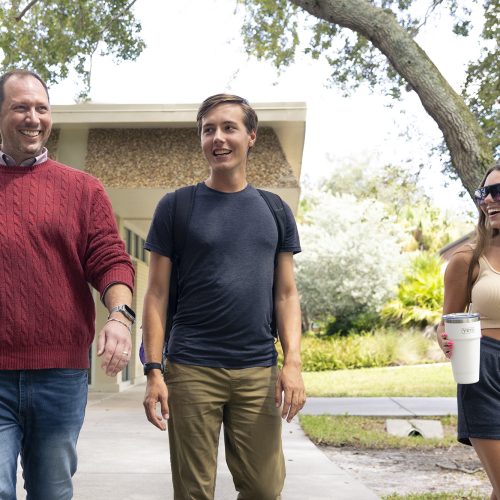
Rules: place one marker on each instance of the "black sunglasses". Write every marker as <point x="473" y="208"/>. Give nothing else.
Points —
<point x="481" y="193"/>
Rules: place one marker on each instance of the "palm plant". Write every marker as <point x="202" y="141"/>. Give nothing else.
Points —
<point x="419" y="299"/>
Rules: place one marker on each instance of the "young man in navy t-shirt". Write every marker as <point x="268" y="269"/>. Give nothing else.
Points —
<point x="221" y="366"/>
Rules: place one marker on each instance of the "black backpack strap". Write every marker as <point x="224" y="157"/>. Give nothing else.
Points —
<point x="182" y="210"/>
<point x="275" y="204"/>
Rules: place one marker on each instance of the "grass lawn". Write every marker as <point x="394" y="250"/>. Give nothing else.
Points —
<point x="431" y="380"/>
<point x="369" y="432"/>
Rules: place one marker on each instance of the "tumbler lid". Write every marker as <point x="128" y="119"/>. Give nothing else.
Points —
<point x="461" y="318"/>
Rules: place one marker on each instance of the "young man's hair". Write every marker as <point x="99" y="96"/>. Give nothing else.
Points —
<point x="20" y="73"/>
<point x="250" y="116"/>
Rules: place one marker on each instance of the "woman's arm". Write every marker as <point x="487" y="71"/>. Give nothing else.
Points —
<point x="456" y="297"/>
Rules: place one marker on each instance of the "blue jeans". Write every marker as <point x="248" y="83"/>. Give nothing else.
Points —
<point x="41" y="414"/>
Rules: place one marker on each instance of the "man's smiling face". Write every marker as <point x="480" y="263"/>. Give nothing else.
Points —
<point x="225" y="141"/>
<point x="25" y="118"/>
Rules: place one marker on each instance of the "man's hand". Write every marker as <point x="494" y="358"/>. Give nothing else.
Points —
<point x="156" y="392"/>
<point x="291" y="384"/>
<point x="114" y="345"/>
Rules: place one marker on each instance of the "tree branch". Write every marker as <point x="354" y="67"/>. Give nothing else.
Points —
<point x="127" y="7"/>
<point x="467" y="143"/>
<point x="88" y="77"/>
<point x="26" y="9"/>
<point x="428" y="13"/>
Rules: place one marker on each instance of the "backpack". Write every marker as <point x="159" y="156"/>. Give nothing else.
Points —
<point x="182" y="209"/>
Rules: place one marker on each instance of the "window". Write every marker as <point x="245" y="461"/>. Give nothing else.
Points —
<point x="128" y="241"/>
<point x="134" y="245"/>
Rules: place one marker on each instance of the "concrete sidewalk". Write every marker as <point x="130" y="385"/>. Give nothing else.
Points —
<point x="123" y="457"/>
<point x="381" y="407"/>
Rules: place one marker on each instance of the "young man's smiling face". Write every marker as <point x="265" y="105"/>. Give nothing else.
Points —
<point x="25" y="118"/>
<point x="225" y="141"/>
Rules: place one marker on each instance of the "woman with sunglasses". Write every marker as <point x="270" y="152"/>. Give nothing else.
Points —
<point x="472" y="279"/>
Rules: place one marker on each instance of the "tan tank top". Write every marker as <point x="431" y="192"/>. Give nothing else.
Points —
<point x="485" y="295"/>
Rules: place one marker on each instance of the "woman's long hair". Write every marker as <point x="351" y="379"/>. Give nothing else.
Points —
<point x="484" y="234"/>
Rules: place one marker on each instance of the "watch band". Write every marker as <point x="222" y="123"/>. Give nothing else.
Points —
<point x="126" y="310"/>
<point x="152" y="366"/>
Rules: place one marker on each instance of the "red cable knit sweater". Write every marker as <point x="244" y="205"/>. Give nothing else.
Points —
<point x="57" y="234"/>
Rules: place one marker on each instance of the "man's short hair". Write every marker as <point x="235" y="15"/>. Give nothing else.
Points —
<point x="250" y="116"/>
<point x="21" y="73"/>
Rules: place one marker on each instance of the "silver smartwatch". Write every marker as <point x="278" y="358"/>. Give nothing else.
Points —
<point x="127" y="311"/>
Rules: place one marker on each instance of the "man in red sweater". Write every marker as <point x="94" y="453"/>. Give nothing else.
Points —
<point x="57" y="235"/>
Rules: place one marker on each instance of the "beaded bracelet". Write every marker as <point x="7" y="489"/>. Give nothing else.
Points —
<point x="129" y="328"/>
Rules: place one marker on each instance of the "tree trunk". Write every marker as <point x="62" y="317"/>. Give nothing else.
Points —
<point x="469" y="149"/>
<point x="306" y="324"/>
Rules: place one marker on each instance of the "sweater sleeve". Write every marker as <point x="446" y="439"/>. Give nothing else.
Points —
<point x="106" y="261"/>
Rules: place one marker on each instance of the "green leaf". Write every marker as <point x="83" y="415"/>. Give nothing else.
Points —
<point x="56" y="37"/>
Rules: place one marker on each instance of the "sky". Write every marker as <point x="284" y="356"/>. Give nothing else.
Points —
<point x="194" y="49"/>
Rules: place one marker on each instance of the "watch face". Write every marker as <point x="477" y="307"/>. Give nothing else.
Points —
<point x="129" y="310"/>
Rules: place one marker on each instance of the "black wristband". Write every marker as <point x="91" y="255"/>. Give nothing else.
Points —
<point x="152" y="366"/>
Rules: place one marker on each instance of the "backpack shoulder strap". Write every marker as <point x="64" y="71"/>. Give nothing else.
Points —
<point x="183" y="208"/>
<point x="275" y="204"/>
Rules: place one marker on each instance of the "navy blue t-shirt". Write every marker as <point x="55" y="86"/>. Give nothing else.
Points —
<point x="226" y="273"/>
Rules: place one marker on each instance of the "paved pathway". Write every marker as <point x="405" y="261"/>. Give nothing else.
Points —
<point x="385" y="407"/>
<point x="123" y="457"/>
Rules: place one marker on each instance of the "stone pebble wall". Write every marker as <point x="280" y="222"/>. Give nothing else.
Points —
<point x="156" y="157"/>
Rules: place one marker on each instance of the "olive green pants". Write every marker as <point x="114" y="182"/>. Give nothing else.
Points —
<point x="200" y="400"/>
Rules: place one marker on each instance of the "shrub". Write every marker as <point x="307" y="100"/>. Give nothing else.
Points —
<point x="352" y="323"/>
<point x="366" y="350"/>
<point x="351" y="263"/>
<point x="419" y="299"/>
